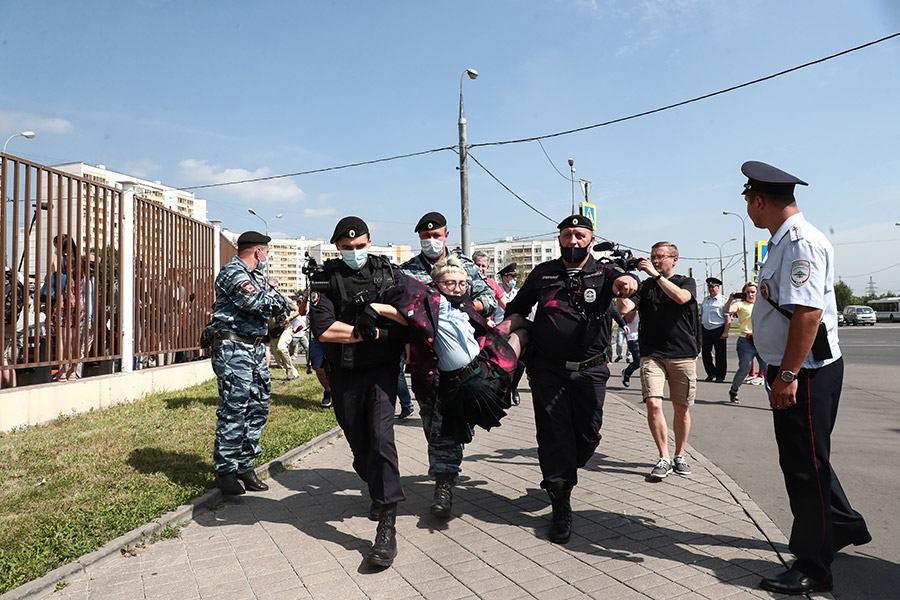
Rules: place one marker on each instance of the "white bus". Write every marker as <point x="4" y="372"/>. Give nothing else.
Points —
<point x="886" y="309"/>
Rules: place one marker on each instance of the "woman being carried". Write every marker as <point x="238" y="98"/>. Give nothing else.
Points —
<point x="477" y="364"/>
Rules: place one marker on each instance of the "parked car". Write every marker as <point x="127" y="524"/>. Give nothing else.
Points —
<point x="841" y="319"/>
<point x="859" y="315"/>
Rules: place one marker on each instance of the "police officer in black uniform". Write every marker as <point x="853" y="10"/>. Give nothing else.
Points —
<point x="569" y="355"/>
<point x="363" y="358"/>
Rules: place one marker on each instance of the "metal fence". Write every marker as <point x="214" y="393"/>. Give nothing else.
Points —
<point x="83" y="259"/>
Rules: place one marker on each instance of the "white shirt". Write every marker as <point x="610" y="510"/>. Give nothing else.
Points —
<point x="508" y="296"/>
<point x="711" y="311"/>
<point x="799" y="271"/>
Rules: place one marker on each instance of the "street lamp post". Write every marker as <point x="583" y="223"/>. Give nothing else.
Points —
<point x="743" y="219"/>
<point x="572" y="169"/>
<point x="463" y="169"/>
<point x="719" y="246"/>
<point x="25" y="134"/>
<point x="253" y="212"/>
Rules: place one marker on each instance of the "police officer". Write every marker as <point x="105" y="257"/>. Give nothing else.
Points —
<point x="363" y="352"/>
<point x="444" y="454"/>
<point x="715" y="323"/>
<point x="244" y="303"/>
<point x="568" y="366"/>
<point x="795" y="332"/>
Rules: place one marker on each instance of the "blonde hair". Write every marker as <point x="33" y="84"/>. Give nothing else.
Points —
<point x="448" y="264"/>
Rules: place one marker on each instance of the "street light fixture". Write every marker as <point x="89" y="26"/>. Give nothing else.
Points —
<point x="719" y="246"/>
<point x="572" y="168"/>
<point x="463" y="162"/>
<point x="743" y="219"/>
<point x="25" y="134"/>
<point x="253" y="212"/>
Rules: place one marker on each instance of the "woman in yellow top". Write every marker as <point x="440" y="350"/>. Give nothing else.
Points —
<point x="741" y="304"/>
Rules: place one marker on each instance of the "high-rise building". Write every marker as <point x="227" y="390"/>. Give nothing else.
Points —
<point x="168" y="196"/>
<point x="527" y="254"/>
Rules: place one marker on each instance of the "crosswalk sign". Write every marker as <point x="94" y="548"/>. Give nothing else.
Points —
<point x="590" y="211"/>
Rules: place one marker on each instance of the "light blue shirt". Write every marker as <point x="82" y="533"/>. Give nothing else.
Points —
<point x="799" y="271"/>
<point x="455" y="343"/>
<point x="711" y="310"/>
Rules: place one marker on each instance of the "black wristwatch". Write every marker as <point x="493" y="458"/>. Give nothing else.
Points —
<point x="658" y="275"/>
<point x="788" y="376"/>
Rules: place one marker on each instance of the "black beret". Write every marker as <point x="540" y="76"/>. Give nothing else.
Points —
<point x="509" y="269"/>
<point x="576" y="221"/>
<point x="253" y="237"/>
<point x="768" y="179"/>
<point x="350" y="227"/>
<point x="433" y="220"/>
<point x="713" y="281"/>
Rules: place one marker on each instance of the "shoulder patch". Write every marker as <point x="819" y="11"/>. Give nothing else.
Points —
<point x="800" y="272"/>
<point x="249" y="287"/>
<point x="314" y="298"/>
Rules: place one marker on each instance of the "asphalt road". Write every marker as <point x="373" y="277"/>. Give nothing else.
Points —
<point x="865" y="451"/>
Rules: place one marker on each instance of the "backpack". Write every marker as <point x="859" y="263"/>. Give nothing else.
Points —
<point x="8" y="297"/>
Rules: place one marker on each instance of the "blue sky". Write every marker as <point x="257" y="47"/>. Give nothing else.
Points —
<point x="193" y="93"/>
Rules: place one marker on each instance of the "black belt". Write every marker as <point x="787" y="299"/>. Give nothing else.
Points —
<point x="461" y="372"/>
<point x="230" y="335"/>
<point x="593" y="361"/>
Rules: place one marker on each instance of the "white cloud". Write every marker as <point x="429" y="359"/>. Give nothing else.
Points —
<point x="318" y="212"/>
<point x="274" y="191"/>
<point x="140" y="168"/>
<point x="14" y="122"/>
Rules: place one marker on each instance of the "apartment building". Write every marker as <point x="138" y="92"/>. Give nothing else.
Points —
<point x="527" y="254"/>
<point x="172" y="198"/>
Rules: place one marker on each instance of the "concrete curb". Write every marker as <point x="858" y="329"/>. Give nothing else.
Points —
<point x="766" y="526"/>
<point x="46" y="585"/>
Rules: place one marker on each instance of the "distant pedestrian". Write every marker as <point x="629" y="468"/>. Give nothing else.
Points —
<point x="716" y="323"/>
<point x="280" y="335"/>
<point x="244" y="304"/>
<point x="795" y="332"/>
<point x="634" y="347"/>
<point x="508" y="290"/>
<point x="668" y="338"/>
<point x="741" y="304"/>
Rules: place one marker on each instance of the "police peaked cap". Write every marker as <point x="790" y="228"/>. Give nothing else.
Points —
<point x="768" y="179"/>
<point x="350" y="227"/>
<point x="250" y="238"/>
<point x="713" y="281"/>
<point x="509" y="269"/>
<point x="576" y="221"/>
<point x="432" y="220"/>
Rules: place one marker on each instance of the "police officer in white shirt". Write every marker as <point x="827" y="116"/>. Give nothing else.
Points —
<point x="715" y="331"/>
<point x="795" y="332"/>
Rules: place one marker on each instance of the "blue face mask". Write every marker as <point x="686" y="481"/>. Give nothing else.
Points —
<point x="355" y="259"/>
<point x="261" y="266"/>
<point x="511" y="285"/>
<point x="432" y="248"/>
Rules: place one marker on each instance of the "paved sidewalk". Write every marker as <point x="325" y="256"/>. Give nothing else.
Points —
<point x="307" y="537"/>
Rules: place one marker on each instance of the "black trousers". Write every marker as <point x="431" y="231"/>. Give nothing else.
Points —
<point x="712" y="341"/>
<point x="823" y="517"/>
<point x="568" y="414"/>
<point x="364" y="406"/>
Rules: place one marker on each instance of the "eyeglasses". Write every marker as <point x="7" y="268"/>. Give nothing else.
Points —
<point x="663" y="256"/>
<point x="453" y="285"/>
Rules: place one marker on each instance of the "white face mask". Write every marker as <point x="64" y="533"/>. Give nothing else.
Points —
<point x="432" y="248"/>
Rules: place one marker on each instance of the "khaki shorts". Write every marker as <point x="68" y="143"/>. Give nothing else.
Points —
<point x="681" y="374"/>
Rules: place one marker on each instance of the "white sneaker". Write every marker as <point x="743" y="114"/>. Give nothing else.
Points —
<point x="758" y="381"/>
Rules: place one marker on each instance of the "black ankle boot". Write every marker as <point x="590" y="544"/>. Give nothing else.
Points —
<point x="252" y="482"/>
<point x="229" y="484"/>
<point x="384" y="549"/>
<point x="443" y="495"/>
<point x="561" y="520"/>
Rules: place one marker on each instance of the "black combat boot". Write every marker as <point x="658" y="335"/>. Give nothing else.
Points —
<point x="561" y="520"/>
<point x="375" y="510"/>
<point x="229" y="484"/>
<point x="384" y="549"/>
<point x="252" y="482"/>
<point x="443" y="495"/>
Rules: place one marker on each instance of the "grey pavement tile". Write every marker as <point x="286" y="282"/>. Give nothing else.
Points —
<point x="446" y="587"/>
<point x="486" y="585"/>
<point x="125" y="591"/>
<point x="542" y="585"/>
<point x="509" y="592"/>
<point x="615" y="591"/>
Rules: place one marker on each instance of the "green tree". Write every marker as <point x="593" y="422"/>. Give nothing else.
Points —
<point x="843" y="295"/>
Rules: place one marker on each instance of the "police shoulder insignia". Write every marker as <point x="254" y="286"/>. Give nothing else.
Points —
<point x="590" y="295"/>
<point x="800" y="272"/>
<point x="314" y="297"/>
<point x="796" y="234"/>
<point x="248" y="286"/>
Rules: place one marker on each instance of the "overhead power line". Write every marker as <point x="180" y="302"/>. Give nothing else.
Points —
<point x="549" y="135"/>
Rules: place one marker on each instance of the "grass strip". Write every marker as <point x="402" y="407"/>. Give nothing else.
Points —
<point x="68" y="487"/>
